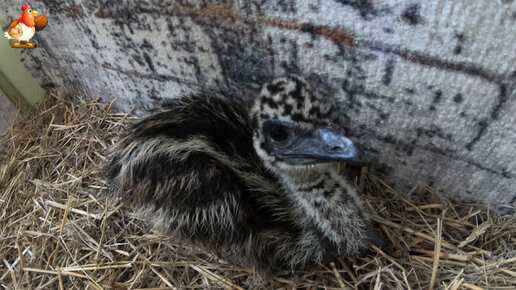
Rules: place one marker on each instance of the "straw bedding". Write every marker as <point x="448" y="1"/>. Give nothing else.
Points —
<point x="58" y="229"/>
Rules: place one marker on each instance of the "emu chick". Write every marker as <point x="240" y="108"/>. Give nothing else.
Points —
<point x="254" y="186"/>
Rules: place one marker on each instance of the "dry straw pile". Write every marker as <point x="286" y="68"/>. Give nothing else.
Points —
<point x="58" y="229"/>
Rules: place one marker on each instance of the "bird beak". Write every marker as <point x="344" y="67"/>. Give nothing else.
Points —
<point x="34" y="13"/>
<point x="328" y="146"/>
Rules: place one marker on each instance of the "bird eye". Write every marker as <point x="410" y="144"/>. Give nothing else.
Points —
<point x="29" y="11"/>
<point x="279" y="133"/>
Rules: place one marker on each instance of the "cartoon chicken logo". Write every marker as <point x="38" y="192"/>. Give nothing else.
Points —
<point x="24" y="28"/>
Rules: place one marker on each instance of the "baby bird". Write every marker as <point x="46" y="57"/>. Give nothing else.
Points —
<point x="254" y="186"/>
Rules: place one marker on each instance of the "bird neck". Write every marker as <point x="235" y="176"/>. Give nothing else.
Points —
<point x="303" y="177"/>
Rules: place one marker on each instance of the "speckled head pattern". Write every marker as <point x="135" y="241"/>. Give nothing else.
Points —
<point x="293" y="102"/>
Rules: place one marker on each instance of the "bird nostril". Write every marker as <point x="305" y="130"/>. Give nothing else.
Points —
<point x="335" y="148"/>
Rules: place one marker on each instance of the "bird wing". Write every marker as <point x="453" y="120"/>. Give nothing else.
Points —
<point x="15" y="29"/>
<point x="40" y="22"/>
<point x="178" y="161"/>
<point x="193" y="190"/>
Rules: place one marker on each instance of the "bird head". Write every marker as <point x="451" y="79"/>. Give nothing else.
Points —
<point x="28" y="15"/>
<point x="296" y="125"/>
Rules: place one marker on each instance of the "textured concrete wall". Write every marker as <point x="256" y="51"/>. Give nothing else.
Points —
<point x="427" y="87"/>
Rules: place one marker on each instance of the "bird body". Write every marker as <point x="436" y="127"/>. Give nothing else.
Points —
<point x="24" y="28"/>
<point x="21" y="32"/>
<point x="228" y="180"/>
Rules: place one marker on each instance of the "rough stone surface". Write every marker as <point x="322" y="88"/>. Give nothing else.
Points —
<point x="427" y="87"/>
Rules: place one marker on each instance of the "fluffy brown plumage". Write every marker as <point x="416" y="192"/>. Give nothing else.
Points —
<point x="256" y="186"/>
